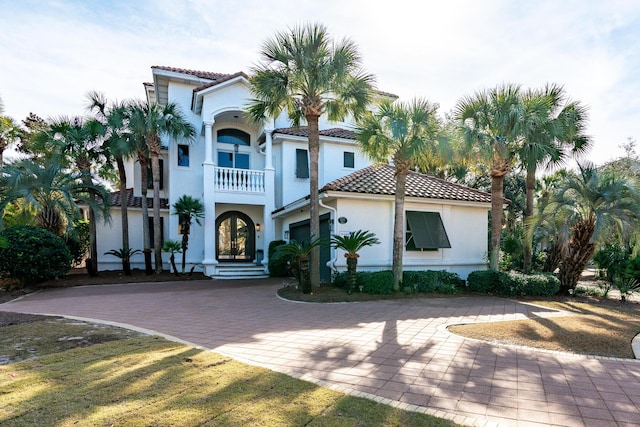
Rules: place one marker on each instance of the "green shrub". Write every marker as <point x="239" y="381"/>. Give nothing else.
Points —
<point x="33" y="255"/>
<point x="278" y="261"/>
<point x="541" y="285"/>
<point x="341" y="280"/>
<point x="483" y="281"/>
<point x="78" y="241"/>
<point x="431" y="281"/>
<point x="375" y="282"/>
<point x="611" y="259"/>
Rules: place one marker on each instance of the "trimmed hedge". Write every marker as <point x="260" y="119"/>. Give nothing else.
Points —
<point x="33" y="255"/>
<point x="513" y="283"/>
<point x="278" y="261"/>
<point x="381" y="282"/>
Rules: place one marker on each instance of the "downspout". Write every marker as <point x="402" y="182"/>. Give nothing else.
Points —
<point x="332" y="262"/>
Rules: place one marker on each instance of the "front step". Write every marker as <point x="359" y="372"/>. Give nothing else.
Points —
<point x="240" y="271"/>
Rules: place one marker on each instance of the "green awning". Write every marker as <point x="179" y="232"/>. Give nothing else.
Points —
<point x="427" y="230"/>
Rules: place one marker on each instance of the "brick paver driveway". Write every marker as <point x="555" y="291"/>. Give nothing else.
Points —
<point x="396" y="351"/>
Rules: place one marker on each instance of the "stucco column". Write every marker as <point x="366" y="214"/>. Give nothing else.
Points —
<point x="270" y="198"/>
<point x="209" y="262"/>
<point x="208" y="143"/>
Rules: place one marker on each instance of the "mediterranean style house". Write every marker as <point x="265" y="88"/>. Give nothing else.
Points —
<point x="254" y="183"/>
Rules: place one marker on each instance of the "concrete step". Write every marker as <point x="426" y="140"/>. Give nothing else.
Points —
<point x="240" y="271"/>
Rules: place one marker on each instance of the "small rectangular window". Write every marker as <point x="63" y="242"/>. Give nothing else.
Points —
<point x="348" y="160"/>
<point x="425" y="231"/>
<point x="302" y="163"/>
<point x="152" y="231"/>
<point x="150" y="175"/>
<point x="183" y="155"/>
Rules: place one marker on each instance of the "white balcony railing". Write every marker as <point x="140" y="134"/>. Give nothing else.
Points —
<point x="240" y="180"/>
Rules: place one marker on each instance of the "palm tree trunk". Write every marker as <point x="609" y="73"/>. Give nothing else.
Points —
<point x="499" y="170"/>
<point x="314" y="208"/>
<point x="92" y="261"/>
<point x="305" y="279"/>
<point x="124" y="215"/>
<point x="157" y="244"/>
<point x="185" y="245"/>
<point x="352" y="265"/>
<point x="578" y="254"/>
<point x="144" y="162"/>
<point x="528" y="213"/>
<point x="554" y="257"/>
<point x="398" y="226"/>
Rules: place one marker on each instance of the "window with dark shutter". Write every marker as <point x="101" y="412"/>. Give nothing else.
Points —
<point x="425" y="231"/>
<point x="150" y="175"/>
<point x="152" y="231"/>
<point x="302" y="163"/>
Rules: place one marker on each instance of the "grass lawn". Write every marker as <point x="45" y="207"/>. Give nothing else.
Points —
<point x="135" y="380"/>
<point x="603" y="328"/>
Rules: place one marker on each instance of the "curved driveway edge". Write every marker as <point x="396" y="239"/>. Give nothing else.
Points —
<point x="397" y="352"/>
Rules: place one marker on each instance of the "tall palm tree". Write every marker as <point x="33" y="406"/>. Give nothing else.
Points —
<point x="187" y="208"/>
<point x="553" y="127"/>
<point x="151" y="121"/>
<point x="595" y="204"/>
<point x="9" y="132"/>
<point x="80" y="139"/>
<point x="491" y="122"/>
<point x="406" y="133"/>
<point x="351" y="244"/>
<point x="54" y="191"/>
<point x="308" y="74"/>
<point x="119" y="147"/>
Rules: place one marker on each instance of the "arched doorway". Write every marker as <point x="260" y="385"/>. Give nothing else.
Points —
<point x="235" y="237"/>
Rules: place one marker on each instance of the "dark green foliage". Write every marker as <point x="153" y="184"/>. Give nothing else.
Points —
<point x="33" y="255"/>
<point x="375" y="282"/>
<point x="611" y="259"/>
<point x="483" y="281"/>
<point x="513" y="283"/>
<point x="78" y="241"/>
<point x="431" y="281"/>
<point x="278" y="261"/>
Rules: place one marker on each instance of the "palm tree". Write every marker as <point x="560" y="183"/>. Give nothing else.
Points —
<point x="172" y="247"/>
<point x="9" y="132"/>
<point x="119" y="146"/>
<point x="306" y="73"/>
<point x="299" y="253"/>
<point x="596" y="205"/>
<point x="54" y="191"/>
<point x="407" y="133"/>
<point x="491" y="122"/>
<point x="187" y="208"/>
<point x="151" y="121"/>
<point x="552" y="127"/>
<point x="80" y="139"/>
<point x="351" y="244"/>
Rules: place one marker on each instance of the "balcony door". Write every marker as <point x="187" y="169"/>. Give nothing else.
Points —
<point x="235" y="237"/>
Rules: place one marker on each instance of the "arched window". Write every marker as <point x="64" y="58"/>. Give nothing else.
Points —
<point x="233" y="136"/>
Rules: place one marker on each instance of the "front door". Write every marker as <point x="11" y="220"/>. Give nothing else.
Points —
<point x="235" y="237"/>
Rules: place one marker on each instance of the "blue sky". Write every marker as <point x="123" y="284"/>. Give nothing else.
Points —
<point x="54" y="52"/>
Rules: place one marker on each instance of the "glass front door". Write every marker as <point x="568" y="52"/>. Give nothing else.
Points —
<point x="235" y="237"/>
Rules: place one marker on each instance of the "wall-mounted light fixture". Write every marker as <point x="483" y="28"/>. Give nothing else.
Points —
<point x="286" y="234"/>
<point x="258" y="227"/>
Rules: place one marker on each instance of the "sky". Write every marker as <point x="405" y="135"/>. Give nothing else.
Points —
<point x="53" y="52"/>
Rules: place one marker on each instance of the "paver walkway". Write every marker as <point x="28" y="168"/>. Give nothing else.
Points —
<point x="396" y="350"/>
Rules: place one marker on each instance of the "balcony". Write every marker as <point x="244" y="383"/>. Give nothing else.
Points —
<point x="239" y="180"/>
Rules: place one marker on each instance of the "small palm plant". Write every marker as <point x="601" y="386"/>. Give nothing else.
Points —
<point x="125" y="255"/>
<point x="173" y="247"/>
<point x="299" y="253"/>
<point x="187" y="208"/>
<point x="351" y="244"/>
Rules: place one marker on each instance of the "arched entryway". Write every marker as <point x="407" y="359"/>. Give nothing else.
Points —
<point x="235" y="237"/>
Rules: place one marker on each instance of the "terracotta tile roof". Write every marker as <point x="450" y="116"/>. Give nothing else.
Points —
<point x="379" y="179"/>
<point x="219" y="80"/>
<point x="136" y="202"/>
<point x="200" y="74"/>
<point x="303" y="131"/>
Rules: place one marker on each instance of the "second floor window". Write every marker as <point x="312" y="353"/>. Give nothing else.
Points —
<point x="234" y="137"/>
<point x="302" y="163"/>
<point x="228" y="159"/>
<point x="348" y="160"/>
<point x="183" y="155"/>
